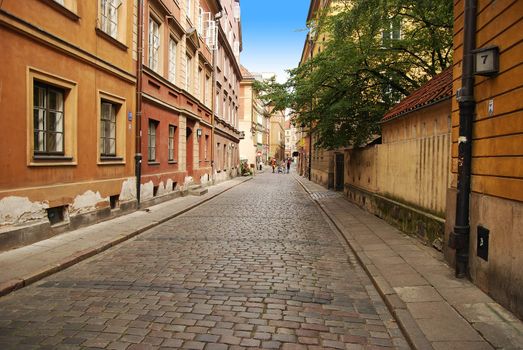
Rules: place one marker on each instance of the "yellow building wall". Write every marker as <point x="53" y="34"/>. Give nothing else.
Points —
<point x="412" y="163"/>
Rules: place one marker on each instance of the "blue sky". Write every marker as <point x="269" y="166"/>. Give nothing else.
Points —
<point x="273" y="33"/>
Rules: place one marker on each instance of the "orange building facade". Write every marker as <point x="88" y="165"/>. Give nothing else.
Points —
<point x="68" y="96"/>
<point x="496" y="199"/>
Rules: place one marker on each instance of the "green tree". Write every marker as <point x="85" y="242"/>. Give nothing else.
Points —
<point x="376" y="53"/>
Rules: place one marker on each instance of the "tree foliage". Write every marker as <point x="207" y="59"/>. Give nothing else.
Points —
<point x="375" y="53"/>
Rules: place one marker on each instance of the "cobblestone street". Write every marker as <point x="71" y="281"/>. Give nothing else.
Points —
<point x="258" y="266"/>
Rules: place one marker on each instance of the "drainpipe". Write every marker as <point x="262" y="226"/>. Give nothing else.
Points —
<point x="139" y="71"/>
<point x="311" y="41"/>
<point x="217" y="17"/>
<point x="459" y="238"/>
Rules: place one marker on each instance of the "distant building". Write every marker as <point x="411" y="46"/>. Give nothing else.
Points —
<point x="277" y="135"/>
<point x="227" y="92"/>
<point x="254" y="122"/>
<point x="291" y="139"/>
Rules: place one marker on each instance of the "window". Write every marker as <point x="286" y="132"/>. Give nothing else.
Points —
<point x="391" y="32"/>
<point x="188" y="8"/>
<point x="208" y="90"/>
<point x="109" y="16"/>
<point x="108" y="129"/>
<point x="206" y="147"/>
<point x="217" y="103"/>
<point x="200" y="21"/>
<point x="48" y="114"/>
<point x="172" y="60"/>
<point x="172" y="130"/>
<point x="112" y="126"/>
<point x="153" y="126"/>
<point x="51" y="119"/>
<point x="200" y="82"/>
<point x="188" y="73"/>
<point x="154" y="45"/>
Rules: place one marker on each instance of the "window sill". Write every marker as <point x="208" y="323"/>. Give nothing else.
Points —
<point x="112" y="40"/>
<point x="153" y="163"/>
<point x="172" y="162"/>
<point x="51" y="160"/>
<point x="107" y="160"/>
<point x="62" y="9"/>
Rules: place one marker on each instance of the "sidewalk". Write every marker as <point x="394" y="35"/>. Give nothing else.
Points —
<point x="26" y="265"/>
<point x="434" y="309"/>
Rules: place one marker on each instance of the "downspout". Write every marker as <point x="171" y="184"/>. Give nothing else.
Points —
<point x="213" y="107"/>
<point x="459" y="238"/>
<point x="310" y="127"/>
<point x="139" y="71"/>
<point x="217" y="17"/>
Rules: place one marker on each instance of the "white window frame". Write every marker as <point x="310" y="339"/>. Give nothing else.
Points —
<point x="108" y="128"/>
<point x="154" y="44"/>
<point x="173" y="50"/>
<point x="171" y="143"/>
<point x="188" y="71"/>
<point x="109" y="16"/>
<point x="188" y="7"/>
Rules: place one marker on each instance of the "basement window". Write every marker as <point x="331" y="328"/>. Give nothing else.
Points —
<point x="114" y="201"/>
<point x="56" y="214"/>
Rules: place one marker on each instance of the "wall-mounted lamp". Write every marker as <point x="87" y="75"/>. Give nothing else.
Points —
<point x="199" y="132"/>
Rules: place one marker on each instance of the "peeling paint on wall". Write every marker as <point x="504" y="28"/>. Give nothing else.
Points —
<point x="87" y="202"/>
<point x="128" y="191"/>
<point x="204" y="180"/>
<point x="161" y="189"/>
<point x="188" y="182"/>
<point x="169" y="186"/>
<point x="19" y="210"/>
<point x="147" y="191"/>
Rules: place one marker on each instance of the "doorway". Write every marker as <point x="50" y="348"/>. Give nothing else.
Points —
<point x="189" y="146"/>
<point x="339" y="178"/>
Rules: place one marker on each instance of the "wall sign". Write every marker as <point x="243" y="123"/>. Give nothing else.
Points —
<point x="486" y="61"/>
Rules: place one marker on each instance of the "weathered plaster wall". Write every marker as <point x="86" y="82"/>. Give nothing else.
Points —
<point x="20" y="210"/>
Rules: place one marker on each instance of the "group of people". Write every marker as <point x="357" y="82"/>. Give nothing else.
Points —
<point x="281" y="166"/>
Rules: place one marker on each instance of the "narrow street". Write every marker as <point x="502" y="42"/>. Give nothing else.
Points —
<point x="258" y="266"/>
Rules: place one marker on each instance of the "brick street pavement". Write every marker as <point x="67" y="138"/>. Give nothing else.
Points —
<point x="256" y="267"/>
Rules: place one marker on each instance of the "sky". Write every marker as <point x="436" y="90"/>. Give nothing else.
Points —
<point x="273" y="34"/>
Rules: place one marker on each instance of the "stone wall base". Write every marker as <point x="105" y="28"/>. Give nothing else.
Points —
<point x="12" y="237"/>
<point x="429" y="228"/>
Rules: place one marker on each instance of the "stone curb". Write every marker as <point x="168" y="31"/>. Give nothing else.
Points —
<point x="396" y="306"/>
<point x="18" y="283"/>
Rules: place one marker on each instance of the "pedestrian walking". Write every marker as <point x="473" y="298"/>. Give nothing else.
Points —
<point x="288" y="164"/>
<point x="273" y="164"/>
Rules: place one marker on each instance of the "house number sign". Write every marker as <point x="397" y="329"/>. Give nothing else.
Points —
<point x="486" y="61"/>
